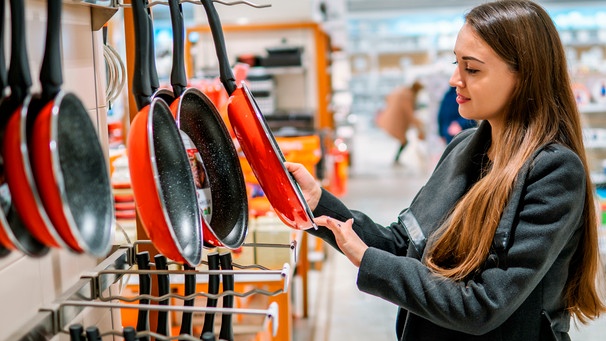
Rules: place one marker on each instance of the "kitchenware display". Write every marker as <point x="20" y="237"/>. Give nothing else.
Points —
<point x="227" y="330"/>
<point x="162" y="183"/>
<point x="56" y="163"/>
<point x="14" y="235"/>
<point x="214" y="280"/>
<point x="142" y="259"/>
<point x="190" y="289"/>
<point x="163" y="289"/>
<point x="220" y="185"/>
<point x="257" y="141"/>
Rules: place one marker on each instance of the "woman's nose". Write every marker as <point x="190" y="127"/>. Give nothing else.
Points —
<point x="455" y="79"/>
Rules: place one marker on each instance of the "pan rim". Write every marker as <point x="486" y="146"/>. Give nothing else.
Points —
<point x="243" y="214"/>
<point x="109" y="226"/>
<point x="157" y="101"/>
<point x="29" y="177"/>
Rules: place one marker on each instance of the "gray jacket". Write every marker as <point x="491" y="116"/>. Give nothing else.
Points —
<point x="517" y="295"/>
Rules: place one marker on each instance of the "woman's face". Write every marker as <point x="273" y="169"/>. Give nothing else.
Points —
<point x="483" y="80"/>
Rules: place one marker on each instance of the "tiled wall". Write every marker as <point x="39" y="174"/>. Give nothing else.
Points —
<point x="29" y="284"/>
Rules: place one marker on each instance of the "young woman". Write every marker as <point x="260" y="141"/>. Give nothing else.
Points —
<point x="501" y="243"/>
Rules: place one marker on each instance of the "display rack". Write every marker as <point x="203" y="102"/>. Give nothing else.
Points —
<point x="92" y="291"/>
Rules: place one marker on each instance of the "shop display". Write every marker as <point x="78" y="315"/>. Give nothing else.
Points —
<point x="257" y="141"/>
<point x="162" y="182"/>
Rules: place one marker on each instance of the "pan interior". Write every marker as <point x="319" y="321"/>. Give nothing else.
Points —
<point x="85" y="176"/>
<point x="201" y="121"/>
<point x="176" y="182"/>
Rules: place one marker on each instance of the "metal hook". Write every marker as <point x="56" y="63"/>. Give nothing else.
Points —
<point x="152" y="3"/>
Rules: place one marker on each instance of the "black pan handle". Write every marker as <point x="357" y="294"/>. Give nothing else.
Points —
<point x="190" y="289"/>
<point x="144" y="289"/>
<point x="214" y="280"/>
<point x="141" y="87"/>
<point x="178" y="79"/>
<point x="153" y="72"/>
<point x="92" y="333"/>
<point x="129" y="333"/>
<point x="227" y="332"/>
<point x="19" y="77"/>
<point x="226" y="73"/>
<point x="76" y="332"/>
<point x="163" y="289"/>
<point x="3" y="74"/>
<point x="51" y="73"/>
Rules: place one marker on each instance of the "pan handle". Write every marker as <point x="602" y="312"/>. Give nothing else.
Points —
<point x="141" y="87"/>
<point x="76" y="332"/>
<point x="151" y="54"/>
<point x="144" y="289"/>
<point x="227" y="332"/>
<point x="129" y="333"/>
<point x="3" y="75"/>
<point x="51" y="74"/>
<point x="178" y="79"/>
<point x="163" y="289"/>
<point x="19" y="76"/>
<point x="226" y="73"/>
<point x="93" y="334"/>
<point x="190" y="289"/>
<point x="213" y="288"/>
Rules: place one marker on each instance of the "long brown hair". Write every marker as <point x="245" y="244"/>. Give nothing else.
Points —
<point x="542" y="110"/>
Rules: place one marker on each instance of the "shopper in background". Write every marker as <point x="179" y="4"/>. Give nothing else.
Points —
<point x="450" y="122"/>
<point x="399" y="115"/>
<point x="501" y="242"/>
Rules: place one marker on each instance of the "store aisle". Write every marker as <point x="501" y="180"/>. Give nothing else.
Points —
<point x="337" y="309"/>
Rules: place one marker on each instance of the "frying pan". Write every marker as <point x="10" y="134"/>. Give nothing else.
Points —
<point x="76" y="332"/>
<point x="257" y="141"/>
<point x="13" y="233"/>
<point x="19" y="174"/>
<point x="93" y="334"/>
<point x="222" y="195"/>
<point x="161" y="177"/>
<point x="70" y="168"/>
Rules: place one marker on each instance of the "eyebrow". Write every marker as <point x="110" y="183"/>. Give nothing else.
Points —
<point x="472" y="58"/>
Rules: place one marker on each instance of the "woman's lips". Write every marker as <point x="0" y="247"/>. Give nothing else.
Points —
<point x="462" y="99"/>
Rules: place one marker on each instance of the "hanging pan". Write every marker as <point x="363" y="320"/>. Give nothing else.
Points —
<point x="161" y="177"/>
<point x="214" y="160"/>
<point x="257" y="141"/>
<point x="13" y="233"/>
<point x="54" y="139"/>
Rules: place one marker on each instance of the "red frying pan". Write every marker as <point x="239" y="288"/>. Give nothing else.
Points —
<point x="220" y="183"/>
<point x="19" y="174"/>
<point x="55" y="140"/>
<point x="13" y="233"/>
<point x="161" y="177"/>
<point x="257" y="141"/>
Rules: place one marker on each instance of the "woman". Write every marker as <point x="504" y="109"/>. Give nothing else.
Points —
<point x="501" y="243"/>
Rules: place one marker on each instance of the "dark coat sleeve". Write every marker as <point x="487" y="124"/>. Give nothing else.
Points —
<point x="547" y="221"/>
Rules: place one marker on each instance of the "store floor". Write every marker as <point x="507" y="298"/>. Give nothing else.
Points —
<point x="337" y="309"/>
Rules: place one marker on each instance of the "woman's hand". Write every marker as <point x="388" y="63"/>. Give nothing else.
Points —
<point x="308" y="184"/>
<point x="348" y="241"/>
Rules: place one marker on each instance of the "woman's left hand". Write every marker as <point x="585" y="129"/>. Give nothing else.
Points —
<point x="348" y="241"/>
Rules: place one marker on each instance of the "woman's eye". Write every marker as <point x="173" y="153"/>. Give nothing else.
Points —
<point x="471" y="71"/>
<point x="455" y="63"/>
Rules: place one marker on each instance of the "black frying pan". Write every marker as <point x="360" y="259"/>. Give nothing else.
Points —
<point x="222" y="193"/>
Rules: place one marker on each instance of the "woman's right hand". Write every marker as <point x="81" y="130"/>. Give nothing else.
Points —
<point x="309" y="186"/>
